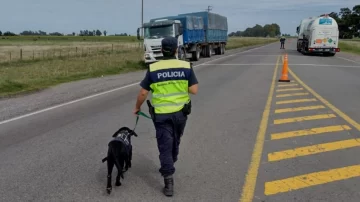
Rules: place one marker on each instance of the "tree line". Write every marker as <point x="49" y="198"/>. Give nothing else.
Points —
<point x="348" y="21"/>
<point x="268" y="30"/>
<point x="42" y="33"/>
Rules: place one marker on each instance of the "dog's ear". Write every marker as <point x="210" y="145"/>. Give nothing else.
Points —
<point x="116" y="133"/>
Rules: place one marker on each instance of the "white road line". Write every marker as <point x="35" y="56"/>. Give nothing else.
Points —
<point x="266" y="64"/>
<point x="348" y="60"/>
<point x="109" y="91"/>
<point x="240" y="64"/>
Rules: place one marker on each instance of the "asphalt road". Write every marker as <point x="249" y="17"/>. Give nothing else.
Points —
<point x="241" y="141"/>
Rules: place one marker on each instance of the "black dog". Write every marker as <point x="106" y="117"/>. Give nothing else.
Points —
<point x="119" y="154"/>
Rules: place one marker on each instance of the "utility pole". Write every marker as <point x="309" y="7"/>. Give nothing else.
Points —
<point x="209" y="8"/>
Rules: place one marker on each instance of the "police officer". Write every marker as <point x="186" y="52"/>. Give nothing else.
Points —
<point x="282" y="41"/>
<point x="170" y="80"/>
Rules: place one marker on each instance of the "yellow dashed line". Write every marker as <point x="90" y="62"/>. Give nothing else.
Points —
<point x="289" y="89"/>
<point x="287" y="85"/>
<point x="252" y="173"/>
<point x="311" y="179"/>
<point x="299" y="109"/>
<point x="312" y="131"/>
<point x="332" y="107"/>
<point x="292" y="94"/>
<point x="313" y="149"/>
<point x="304" y="118"/>
<point x="295" y="101"/>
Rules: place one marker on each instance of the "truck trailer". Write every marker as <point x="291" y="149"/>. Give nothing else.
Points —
<point x="318" y="35"/>
<point x="199" y="34"/>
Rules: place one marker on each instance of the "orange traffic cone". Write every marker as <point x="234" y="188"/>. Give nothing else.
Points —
<point x="284" y="76"/>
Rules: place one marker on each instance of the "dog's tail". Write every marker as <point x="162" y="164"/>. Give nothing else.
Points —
<point x="104" y="159"/>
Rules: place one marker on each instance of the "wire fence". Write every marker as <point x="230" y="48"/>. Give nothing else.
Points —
<point x="26" y="54"/>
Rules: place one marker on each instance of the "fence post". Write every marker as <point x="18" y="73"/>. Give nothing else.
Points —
<point x="76" y="52"/>
<point x="33" y="55"/>
<point x="20" y="53"/>
<point x="112" y="47"/>
<point x="10" y="56"/>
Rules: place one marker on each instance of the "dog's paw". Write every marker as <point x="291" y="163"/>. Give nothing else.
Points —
<point x="108" y="190"/>
<point x="118" y="183"/>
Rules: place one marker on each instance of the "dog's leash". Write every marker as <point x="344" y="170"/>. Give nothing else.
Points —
<point x="137" y="118"/>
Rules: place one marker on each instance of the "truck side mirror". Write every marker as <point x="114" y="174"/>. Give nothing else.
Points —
<point x="297" y="29"/>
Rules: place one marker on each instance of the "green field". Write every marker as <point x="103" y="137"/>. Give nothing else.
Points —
<point x="54" y="40"/>
<point x="351" y="46"/>
<point x="53" y="60"/>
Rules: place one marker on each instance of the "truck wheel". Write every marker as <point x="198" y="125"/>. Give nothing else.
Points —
<point x="223" y="49"/>
<point x="196" y="54"/>
<point x="208" y="51"/>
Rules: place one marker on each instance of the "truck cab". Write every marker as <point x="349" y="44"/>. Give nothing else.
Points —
<point x="154" y="32"/>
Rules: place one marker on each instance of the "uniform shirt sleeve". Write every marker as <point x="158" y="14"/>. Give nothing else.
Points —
<point x="192" y="80"/>
<point x="146" y="82"/>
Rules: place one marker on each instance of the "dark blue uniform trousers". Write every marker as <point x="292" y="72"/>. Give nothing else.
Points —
<point x="169" y="130"/>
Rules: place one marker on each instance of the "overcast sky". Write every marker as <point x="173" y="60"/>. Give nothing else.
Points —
<point x="118" y="16"/>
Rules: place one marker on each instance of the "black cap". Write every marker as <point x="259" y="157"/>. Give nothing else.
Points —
<point x="169" y="44"/>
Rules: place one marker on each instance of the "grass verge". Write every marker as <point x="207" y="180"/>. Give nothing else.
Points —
<point x="350" y="46"/>
<point x="33" y="75"/>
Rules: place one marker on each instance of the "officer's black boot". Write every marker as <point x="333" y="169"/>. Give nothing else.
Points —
<point x="169" y="186"/>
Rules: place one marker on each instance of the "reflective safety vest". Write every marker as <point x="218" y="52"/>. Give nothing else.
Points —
<point x="169" y="84"/>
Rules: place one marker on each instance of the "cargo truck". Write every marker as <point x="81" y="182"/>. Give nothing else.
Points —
<point x="199" y="34"/>
<point x="318" y="35"/>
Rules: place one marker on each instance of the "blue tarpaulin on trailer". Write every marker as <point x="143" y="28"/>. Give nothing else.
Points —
<point x="216" y="26"/>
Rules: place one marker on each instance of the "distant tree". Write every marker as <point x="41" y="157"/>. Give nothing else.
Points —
<point x="271" y="30"/>
<point x="9" y="34"/>
<point x="348" y="21"/>
<point x="73" y="33"/>
<point x="104" y="32"/>
<point x="56" y="34"/>
<point x="98" y="33"/>
<point x="0" y="33"/>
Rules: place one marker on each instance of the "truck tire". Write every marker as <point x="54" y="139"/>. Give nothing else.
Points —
<point x="208" y="51"/>
<point x="222" y="49"/>
<point x="196" y="54"/>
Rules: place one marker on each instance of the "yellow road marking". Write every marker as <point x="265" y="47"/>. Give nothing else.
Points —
<point x="311" y="179"/>
<point x="295" y="101"/>
<point x="313" y="149"/>
<point x="332" y="107"/>
<point x="296" y="109"/>
<point x="292" y="94"/>
<point x="312" y="131"/>
<point x="287" y="85"/>
<point x="289" y="89"/>
<point x="250" y="181"/>
<point x="304" y="118"/>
